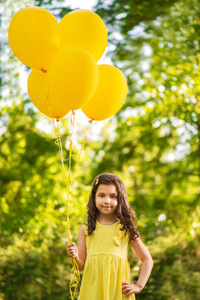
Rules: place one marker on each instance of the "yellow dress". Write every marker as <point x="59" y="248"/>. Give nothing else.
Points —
<point x="106" y="265"/>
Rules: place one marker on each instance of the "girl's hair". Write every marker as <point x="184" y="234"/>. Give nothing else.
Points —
<point x="124" y="213"/>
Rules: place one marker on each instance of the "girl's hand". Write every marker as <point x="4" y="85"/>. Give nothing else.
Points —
<point x="130" y="288"/>
<point x="72" y="250"/>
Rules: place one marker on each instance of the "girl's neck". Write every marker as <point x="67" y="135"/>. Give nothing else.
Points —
<point x="106" y="220"/>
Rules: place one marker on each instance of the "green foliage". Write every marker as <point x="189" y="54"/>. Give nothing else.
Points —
<point x="34" y="264"/>
<point x="34" y="273"/>
<point x="180" y="273"/>
<point x="176" y="273"/>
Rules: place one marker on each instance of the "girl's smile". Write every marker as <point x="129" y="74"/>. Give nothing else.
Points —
<point x="106" y="199"/>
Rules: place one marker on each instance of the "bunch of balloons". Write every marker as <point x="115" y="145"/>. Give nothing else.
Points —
<point x="64" y="58"/>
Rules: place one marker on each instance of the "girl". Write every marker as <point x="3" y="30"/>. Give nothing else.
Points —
<point x="104" y="241"/>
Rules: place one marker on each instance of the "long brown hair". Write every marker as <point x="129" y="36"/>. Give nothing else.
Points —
<point x="124" y="213"/>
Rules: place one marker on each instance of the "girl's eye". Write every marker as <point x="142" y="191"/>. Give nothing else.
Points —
<point x="101" y="196"/>
<point x="113" y="196"/>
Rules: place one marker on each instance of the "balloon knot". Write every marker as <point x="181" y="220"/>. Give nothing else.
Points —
<point x="90" y="121"/>
<point x="57" y="120"/>
<point x="43" y="70"/>
<point x="73" y="113"/>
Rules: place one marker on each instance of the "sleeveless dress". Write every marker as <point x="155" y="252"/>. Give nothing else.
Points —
<point x="106" y="265"/>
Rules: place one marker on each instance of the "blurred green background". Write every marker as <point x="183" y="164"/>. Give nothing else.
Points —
<point x="152" y="143"/>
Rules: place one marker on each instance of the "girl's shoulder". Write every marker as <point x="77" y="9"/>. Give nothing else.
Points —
<point x="85" y="228"/>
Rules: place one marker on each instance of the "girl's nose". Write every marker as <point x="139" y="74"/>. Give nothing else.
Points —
<point x="107" y="200"/>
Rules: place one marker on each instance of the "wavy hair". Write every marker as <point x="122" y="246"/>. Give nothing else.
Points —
<point x="124" y="214"/>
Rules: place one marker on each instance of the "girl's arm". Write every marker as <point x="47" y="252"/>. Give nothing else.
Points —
<point x="147" y="264"/>
<point x="79" y="251"/>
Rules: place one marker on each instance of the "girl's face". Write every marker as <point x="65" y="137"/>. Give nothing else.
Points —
<point x="106" y="199"/>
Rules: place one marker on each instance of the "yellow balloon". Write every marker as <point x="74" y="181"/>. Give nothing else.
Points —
<point x="85" y="29"/>
<point x="41" y="96"/>
<point x="34" y="37"/>
<point x="73" y="77"/>
<point x="109" y="96"/>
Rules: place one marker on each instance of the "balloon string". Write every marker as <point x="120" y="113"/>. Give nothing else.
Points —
<point x="75" y="280"/>
<point x="84" y="142"/>
<point x="66" y="177"/>
<point x="72" y="123"/>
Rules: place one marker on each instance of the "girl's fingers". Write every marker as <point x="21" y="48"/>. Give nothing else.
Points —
<point x="71" y="249"/>
<point x="124" y="285"/>
<point x="128" y="294"/>
<point x="71" y="246"/>
<point x="126" y="289"/>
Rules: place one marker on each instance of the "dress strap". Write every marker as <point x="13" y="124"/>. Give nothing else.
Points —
<point x="85" y="229"/>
